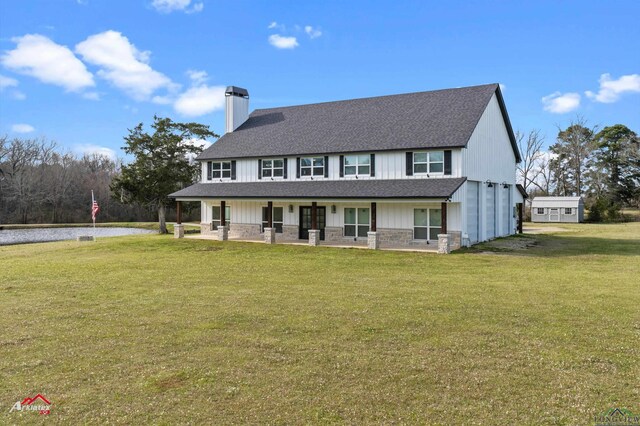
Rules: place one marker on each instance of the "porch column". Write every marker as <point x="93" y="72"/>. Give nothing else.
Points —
<point x="314" y="215"/>
<point x="314" y="232"/>
<point x="373" y="240"/>
<point x="269" y="230"/>
<point x="223" y="232"/>
<point x="178" y="229"/>
<point x="444" y="243"/>
<point x="374" y="219"/>
<point x="520" y="215"/>
<point x="443" y="216"/>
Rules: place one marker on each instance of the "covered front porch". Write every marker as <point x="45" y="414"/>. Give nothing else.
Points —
<point x="415" y="225"/>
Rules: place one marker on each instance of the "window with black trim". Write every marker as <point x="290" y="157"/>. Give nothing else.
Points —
<point x="273" y="168"/>
<point x="221" y="170"/>
<point x="277" y="219"/>
<point x="357" y="165"/>
<point x="428" y="162"/>
<point x="540" y="210"/>
<point x="568" y="211"/>
<point x="312" y="166"/>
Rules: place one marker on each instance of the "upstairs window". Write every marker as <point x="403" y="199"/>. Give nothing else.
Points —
<point x="221" y="169"/>
<point x="428" y="162"/>
<point x="357" y="165"/>
<point x="312" y="166"/>
<point x="273" y="168"/>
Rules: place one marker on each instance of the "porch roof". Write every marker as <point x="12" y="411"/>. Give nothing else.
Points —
<point x="318" y="189"/>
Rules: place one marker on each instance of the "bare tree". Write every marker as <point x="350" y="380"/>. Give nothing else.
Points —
<point x="531" y="150"/>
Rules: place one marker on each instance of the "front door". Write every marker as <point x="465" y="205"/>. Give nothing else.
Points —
<point x="554" y="215"/>
<point x="305" y="221"/>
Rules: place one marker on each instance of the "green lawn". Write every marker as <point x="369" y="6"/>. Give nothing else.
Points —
<point x="147" y="329"/>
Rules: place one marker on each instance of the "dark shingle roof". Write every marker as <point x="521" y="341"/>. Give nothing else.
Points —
<point x="436" y="119"/>
<point x="369" y="188"/>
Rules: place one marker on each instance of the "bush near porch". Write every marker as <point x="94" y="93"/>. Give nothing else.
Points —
<point x="148" y="329"/>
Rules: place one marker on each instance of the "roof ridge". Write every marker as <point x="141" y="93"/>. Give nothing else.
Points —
<point x="377" y="97"/>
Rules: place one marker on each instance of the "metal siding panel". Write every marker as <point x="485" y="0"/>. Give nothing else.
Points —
<point x="490" y="218"/>
<point x="472" y="207"/>
<point x="504" y="211"/>
<point x="489" y="155"/>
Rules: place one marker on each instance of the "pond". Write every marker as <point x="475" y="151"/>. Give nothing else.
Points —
<point x="40" y="235"/>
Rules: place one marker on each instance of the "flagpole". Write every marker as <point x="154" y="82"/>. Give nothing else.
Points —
<point x="93" y="216"/>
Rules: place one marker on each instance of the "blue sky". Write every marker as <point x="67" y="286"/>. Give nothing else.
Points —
<point x="81" y="72"/>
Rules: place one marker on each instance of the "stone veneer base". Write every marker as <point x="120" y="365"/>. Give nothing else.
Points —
<point x="386" y="237"/>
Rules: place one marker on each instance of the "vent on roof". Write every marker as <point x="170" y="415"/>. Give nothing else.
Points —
<point x="236" y="107"/>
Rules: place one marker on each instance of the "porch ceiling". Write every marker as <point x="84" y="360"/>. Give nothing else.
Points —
<point x="319" y="189"/>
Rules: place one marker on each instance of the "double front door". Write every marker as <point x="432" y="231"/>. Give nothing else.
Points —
<point x="305" y="221"/>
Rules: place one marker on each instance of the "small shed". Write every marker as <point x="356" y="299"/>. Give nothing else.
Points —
<point x="557" y="209"/>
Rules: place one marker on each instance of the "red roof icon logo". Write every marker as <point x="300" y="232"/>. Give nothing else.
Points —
<point x="29" y="401"/>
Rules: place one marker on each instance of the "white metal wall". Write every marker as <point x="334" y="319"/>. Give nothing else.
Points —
<point x="389" y="215"/>
<point x="489" y="154"/>
<point x="490" y="213"/>
<point x="388" y="165"/>
<point x="473" y="211"/>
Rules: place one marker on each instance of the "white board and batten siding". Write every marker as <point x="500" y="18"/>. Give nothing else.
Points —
<point x="489" y="157"/>
<point x="389" y="215"/>
<point x="388" y="165"/>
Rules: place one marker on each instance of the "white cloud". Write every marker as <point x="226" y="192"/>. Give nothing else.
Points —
<point x="202" y="143"/>
<point x="200" y="100"/>
<point x="22" y="128"/>
<point x="197" y="7"/>
<point x="275" y="26"/>
<point x="611" y="90"/>
<point x="38" y="56"/>
<point x="198" y="77"/>
<point x="123" y="64"/>
<point x="559" y="103"/>
<point x="312" y="32"/>
<point x="7" y="82"/>
<point x="18" y="95"/>
<point x="281" y="42"/>
<point x="91" y="149"/>
<point x="168" y="6"/>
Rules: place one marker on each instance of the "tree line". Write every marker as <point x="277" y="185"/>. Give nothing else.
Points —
<point x="41" y="183"/>
<point x="600" y="165"/>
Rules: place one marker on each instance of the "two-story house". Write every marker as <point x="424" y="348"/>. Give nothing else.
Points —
<point x="395" y="170"/>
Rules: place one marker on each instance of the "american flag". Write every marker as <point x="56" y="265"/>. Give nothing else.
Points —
<point x="94" y="210"/>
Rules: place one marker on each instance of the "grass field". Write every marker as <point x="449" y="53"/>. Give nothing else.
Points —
<point x="540" y="329"/>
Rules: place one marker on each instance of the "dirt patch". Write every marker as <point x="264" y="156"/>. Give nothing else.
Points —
<point x="515" y="244"/>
